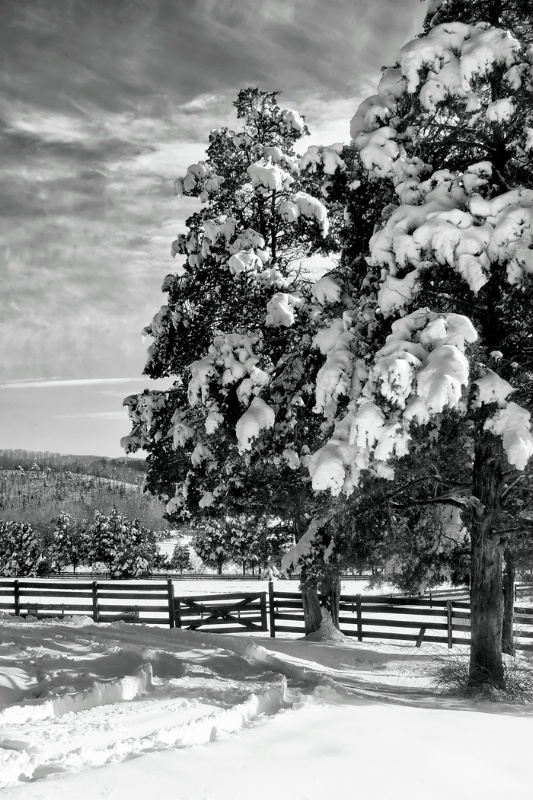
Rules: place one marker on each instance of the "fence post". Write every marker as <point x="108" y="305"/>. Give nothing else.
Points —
<point x="359" y="620"/>
<point x="421" y="635"/>
<point x="271" y="609"/>
<point x="170" y="593"/>
<point x="449" y="611"/>
<point x="263" y="602"/>
<point x="16" y="593"/>
<point x="95" y="601"/>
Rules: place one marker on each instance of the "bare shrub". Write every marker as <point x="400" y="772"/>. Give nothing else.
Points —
<point x="451" y="676"/>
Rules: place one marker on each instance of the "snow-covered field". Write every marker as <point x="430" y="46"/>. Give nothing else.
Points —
<point x="130" y="711"/>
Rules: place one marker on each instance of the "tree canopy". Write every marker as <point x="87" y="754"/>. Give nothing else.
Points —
<point x="411" y="361"/>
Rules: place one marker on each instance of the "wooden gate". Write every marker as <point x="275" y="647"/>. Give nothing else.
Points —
<point x="237" y="612"/>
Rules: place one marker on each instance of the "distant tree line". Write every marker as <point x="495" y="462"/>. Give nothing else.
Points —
<point x="123" y="548"/>
<point x="130" y="470"/>
<point x="37" y="493"/>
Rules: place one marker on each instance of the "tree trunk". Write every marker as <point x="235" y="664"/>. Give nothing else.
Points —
<point x="311" y="604"/>
<point x="486" y="597"/>
<point x="330" y="595"/>
<point x="308" y="588"/>
<point x="317" y="593"/>
<point x="508" y="603"/>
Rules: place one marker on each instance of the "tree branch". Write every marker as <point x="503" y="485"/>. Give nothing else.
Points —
<point x="511" y="486"/>
<point x="444" y="500"/>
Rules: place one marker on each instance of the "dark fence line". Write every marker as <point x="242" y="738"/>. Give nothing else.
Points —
<point x="429" y="618"/>
<point x="410" y="619"/>
<point x="138" y="601"/>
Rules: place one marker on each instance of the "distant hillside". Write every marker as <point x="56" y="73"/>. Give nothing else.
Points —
<point x="35" y="487"/>
<point x="129" y="470"/>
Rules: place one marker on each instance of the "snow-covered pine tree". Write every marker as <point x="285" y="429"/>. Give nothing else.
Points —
<point x="444" y="328"/>
<point x="65" y="542"/>
<point x="212" y="545"/>
<point x="181" y="558"/>
<point x="125" y="548"/>
<point x="230" y="334"/>
<point x="20" y="550"/>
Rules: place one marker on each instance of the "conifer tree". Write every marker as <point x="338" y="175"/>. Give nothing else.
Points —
<point x="230" y="334"/>
<point x="65" y="542"/>
<point x="439" y="334"/>
<point x="20" y="550"/>
<point x="181" y="558"/>
<point x="126" y="548"/>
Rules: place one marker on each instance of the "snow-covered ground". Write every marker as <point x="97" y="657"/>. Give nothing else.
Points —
<point x="130" y="711"/>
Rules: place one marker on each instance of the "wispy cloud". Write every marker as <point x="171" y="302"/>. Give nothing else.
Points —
<point x="94" y="415"/>
<point x="55" y="384"/>
<point x="103" y="105"/>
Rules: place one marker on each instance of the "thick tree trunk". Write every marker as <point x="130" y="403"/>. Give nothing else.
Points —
<point x="508" y="603"/>
<point x="330" y="595"/>
<point x="308" y="588"/>
<point x="486" y="597"/>
<point x="312" y="610"/>
<point x="318" y="593"/>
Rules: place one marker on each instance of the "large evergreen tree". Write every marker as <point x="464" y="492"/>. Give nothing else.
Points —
<point x="441" y="332"/>
<point x="230" y="335"/>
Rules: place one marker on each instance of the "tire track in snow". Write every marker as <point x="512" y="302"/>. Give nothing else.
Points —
<point x="88" y="729"/>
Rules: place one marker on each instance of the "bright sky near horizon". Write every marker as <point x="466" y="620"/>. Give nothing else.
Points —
<point x="104" y="104"/>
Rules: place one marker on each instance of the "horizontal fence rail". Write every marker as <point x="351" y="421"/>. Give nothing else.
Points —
<point x="238" y="612"/>
<point x="429" y="618"/>
<point x="441" y="616"/>
<point x="104" y="601"/>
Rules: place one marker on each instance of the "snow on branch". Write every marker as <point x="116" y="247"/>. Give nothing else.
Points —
<point x="257" y="418"/>
<point x="267" y="177"/>
<point x="512" y="423"/>
<point x="230" y="360"/>
<point x="328" y="158"/>
<point x="446" y="64"/>
<point x="281" y="309"/>
<point x="450" y="226"/>
<point x="419" y="371"/>
<point x="200" y="180"/>
<point x="304" y="547"/>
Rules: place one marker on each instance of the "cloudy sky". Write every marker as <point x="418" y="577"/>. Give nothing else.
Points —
<point x="103" y="104"/>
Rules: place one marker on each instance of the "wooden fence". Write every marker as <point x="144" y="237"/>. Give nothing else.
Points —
<point x="151" y="603"/>
<point x="237" y="612"/>
<point x="105" y="601"/>
<point x="431" y="618"/>
<point x="410" y="619"/>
